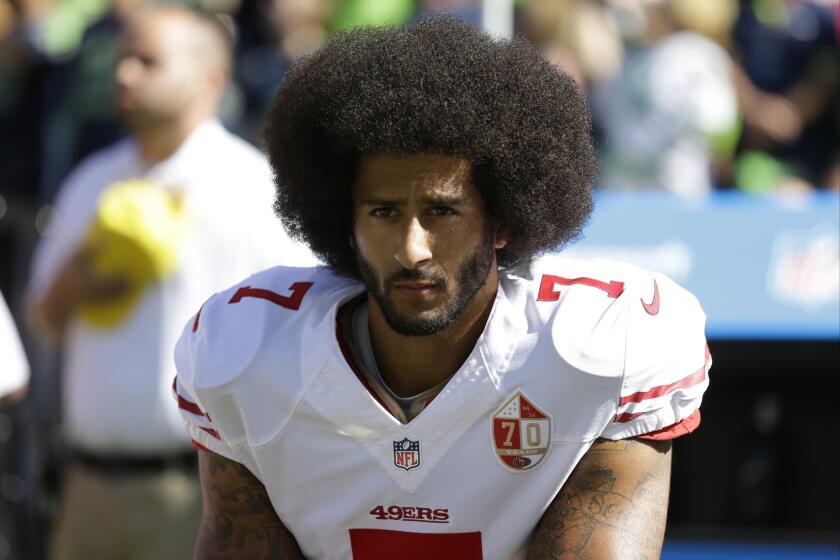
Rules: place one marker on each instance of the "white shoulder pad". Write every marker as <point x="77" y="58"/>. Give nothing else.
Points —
<point x="614" y="320"/>
<point x="666" y="360"/>
<point x="246" y="357"/>
<point x="581" y="304"/>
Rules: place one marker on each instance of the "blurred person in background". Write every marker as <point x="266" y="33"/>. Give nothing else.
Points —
<point x="76" y="46"/>
<point x="671" y="115"/>
<point x="469" y="10"/>
<point x="79" y="89"/>
<point x="788" y="89"/>
<point x="578" y="36"/>
<point x="274" y="33"/>
<point x="145" y="230"/>
<point x="56" y="92"/>
<point x="14" y="368"/>
<point x="14" y="381"/>
<point x="79" y="92"/>
<point x="22" y="72"/>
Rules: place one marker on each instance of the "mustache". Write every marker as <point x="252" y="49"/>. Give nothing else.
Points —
<point x="416" y="275"/>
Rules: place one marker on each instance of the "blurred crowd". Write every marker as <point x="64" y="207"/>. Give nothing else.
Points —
<point x="687" y="96"/>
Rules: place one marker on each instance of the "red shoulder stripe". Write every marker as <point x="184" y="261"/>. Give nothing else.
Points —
<point x="627" y="416"/>
<point x="197" y="317"/>
<point x="681" y="428"/>
<point x="212" y="432"/>
<point x="190" y="407"/>
<point x="688" y="381"/>
<point x="184" y="404"/>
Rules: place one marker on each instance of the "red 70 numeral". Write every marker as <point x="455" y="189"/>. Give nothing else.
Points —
<point x="292" y="301"/>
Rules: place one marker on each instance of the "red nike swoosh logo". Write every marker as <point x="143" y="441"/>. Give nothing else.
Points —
<point x="652" y="308"/>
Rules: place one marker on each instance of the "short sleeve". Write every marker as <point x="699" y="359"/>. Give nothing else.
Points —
<point x="666" y="363"/>
<point x="199" y="425"/>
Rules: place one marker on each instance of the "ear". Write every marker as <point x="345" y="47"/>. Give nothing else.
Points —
<point x="501" y="236"/>
<point x="218" y="79"/>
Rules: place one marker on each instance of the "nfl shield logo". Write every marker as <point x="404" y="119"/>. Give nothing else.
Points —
<point x="406" y="454"/>
<point x="521" y="433"/>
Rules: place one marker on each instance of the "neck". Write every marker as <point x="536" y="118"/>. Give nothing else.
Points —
<point x="158" y="142"/>
<point x="412" y="364"/>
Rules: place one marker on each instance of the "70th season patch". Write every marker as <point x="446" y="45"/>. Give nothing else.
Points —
<point x="521" y="433"/>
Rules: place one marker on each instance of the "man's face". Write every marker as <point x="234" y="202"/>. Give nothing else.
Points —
<point x="422" y="237"/>
<point x="157" y="76"/>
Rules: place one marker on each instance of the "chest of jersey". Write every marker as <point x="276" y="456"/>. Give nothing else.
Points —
<point x="468" y="478"/>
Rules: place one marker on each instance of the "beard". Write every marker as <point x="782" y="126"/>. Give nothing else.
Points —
<point x="140" y="119"/>
<point x="470" y="277"/>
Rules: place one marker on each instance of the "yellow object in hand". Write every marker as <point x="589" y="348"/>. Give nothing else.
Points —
<point x="137" y="230"/>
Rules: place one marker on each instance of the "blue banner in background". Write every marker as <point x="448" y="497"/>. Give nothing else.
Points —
<point x="763" y="268"/>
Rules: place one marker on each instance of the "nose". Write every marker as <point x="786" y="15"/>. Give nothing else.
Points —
<point x="128" y="71"/>
<point x="415" y="247"/>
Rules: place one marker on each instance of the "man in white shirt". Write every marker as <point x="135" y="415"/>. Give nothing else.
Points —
<point x="671" y="116"/>
<point x="130" y="489"/>
<point x="443" y="388"/>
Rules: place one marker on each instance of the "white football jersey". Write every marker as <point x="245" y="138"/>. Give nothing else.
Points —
<point x="572" y="351"/>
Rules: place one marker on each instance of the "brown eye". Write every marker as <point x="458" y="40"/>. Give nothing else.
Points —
<point x="443" y="211"/>
<point x="384" y="212"/>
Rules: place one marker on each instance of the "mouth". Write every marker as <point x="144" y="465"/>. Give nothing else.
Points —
<point x="125" y="98"/>
<point x="416" y="289"/>
<point x="415" y="285"/>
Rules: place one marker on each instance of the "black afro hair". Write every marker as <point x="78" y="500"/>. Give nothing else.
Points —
<point x="443" y="86"/>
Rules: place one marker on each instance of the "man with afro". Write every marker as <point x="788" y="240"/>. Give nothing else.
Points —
<point x="446" y="386"/>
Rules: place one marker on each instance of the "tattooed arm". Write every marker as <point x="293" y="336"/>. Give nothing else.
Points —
<point x="239" y="522"/>
<point x="613" y="505"/>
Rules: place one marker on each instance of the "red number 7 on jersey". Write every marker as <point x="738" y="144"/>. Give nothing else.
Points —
<point x="289" y="302"/>
<point x="548" y="282"/>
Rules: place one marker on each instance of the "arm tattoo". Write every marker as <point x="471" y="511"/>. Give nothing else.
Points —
<point x="614" y="505"/>
<point x="239" y="522"/>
